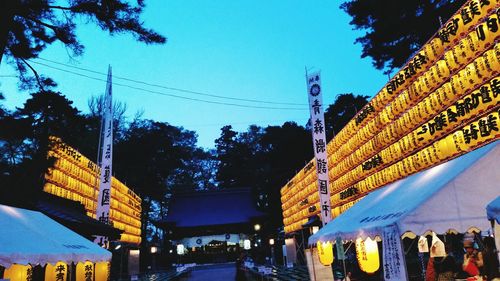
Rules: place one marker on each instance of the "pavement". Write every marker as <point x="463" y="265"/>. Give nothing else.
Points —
<point x="212" y="272"/>
<point x="227" y="271"/>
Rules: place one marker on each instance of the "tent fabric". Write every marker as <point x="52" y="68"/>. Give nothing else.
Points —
<point x="72" y="214"/>
<point x="451" y="195"/>
<point x="32" y="237"/>
<point x="493" y="210"/>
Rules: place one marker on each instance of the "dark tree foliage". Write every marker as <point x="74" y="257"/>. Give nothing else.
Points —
<point x="24" y="137"/>
<point x="265" y="159"/>
<point x="338" y="114"/>
<point x="51" y="113"/>
<point x="228" y="157"/>
<point x="287" y="149"/>
<point x="396" y="29"/>
<point x="150" y="153"/>
<point x="13" y="132"/>
<point x="153" y="159"/>
<point x="27" y="27"/>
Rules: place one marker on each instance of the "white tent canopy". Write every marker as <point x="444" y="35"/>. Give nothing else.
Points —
<point x="32" y="237"/>
<point x="452" y="195"/>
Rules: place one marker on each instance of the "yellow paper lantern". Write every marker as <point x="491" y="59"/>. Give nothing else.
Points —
<point x="325" y="253"/>
<point x="491" y="62"/>
<point x="367" y="254"/>
<point x="85" y="271"/>
<point x="487" y="32"/>
<point x="470" y="18"/>
<point x="422" y="87"/>
<point x="57" y="272"/>
<point x="458" y="85"/>
<point x="454" y="28"/>
<point x="464" y="51"/>
<point x="451" y="59"/>
<point x="18" y="272"/>
<point x="436" y="47"/>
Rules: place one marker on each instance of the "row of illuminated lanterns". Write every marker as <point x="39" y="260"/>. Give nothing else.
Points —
<point x="468" y="72"/>
<point x="484" y="98"/>
<point x="80" y="171"/>
<point x="472" y="75"/>
<point x="433" y="98"/>
<point x="87" y="195"/>
<point x="115" y="214"/>
<point x="75" y="177"/>
<point x="133" y="239"/>
<point x="433" y="50"/>
<point x="367" y="254"/>
<point x="452" y="145"/>
<point x="81" y="167"/>
<point x="352" y="136"/>
<point x="62" y="173"/>
<point x="336" y="211"/>
<point x="85" y="271"/>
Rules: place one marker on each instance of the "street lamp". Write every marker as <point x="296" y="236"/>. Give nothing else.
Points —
<point x="256" y="227"/>
<point x="315" y="229"/>
<point x="154" y="249"/>
<point x="271" y="243"/>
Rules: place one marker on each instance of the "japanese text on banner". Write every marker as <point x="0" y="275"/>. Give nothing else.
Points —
<point x="103" y="200"/>
<point x="319" y="143"/>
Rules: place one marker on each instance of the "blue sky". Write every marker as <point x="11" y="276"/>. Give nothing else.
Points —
<point x="240" y="49"/>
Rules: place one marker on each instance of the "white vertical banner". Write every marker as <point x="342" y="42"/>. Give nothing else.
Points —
<point x="393" y="257"/>
<point x="104" y="197"/>
<point x="319" y="143"/>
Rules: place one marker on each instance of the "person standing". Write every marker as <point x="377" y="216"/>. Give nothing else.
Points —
<point x="473" y="260"/>
<point x="490" y="257"/>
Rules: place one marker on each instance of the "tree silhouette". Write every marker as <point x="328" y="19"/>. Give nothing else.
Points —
<point x="396" y="29"/>
<point x="25" y="136"/>
<point x="27" y="27"/>
<point x="339" y="113"/>
<point x="228" y="157"/>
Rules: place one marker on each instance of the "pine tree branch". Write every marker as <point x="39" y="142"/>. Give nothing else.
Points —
<point x="61" y="8"/>
<point x="36" y="75"/>
<point x="53" y="27"/>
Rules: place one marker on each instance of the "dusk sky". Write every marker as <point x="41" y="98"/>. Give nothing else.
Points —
<point x="241" y="50"/>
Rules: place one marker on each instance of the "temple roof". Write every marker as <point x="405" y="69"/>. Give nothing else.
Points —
<point x="209" y="208"/>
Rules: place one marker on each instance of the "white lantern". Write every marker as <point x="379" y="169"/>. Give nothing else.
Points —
<point x="180" y="249"/>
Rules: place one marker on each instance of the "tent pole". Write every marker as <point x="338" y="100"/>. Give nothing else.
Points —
<point x="345" y="273"/>
<point x="403" y="256"/>
<point x="343" y="260"/>
<point x="312" y="262"/>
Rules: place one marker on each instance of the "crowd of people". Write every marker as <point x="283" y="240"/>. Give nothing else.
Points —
<point x="476" y="266"/>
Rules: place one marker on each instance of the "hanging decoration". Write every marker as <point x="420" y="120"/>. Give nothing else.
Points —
<point x="57" y="272"/>
<point x="85" y="271"/>
<point x="437" y="247"/>
<point x="394" y="259"/>
<point x="325" y="252"/>
<point x="423" y="247"/>
<point x="367" y="255"/>
<point x="18" y="272"/>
